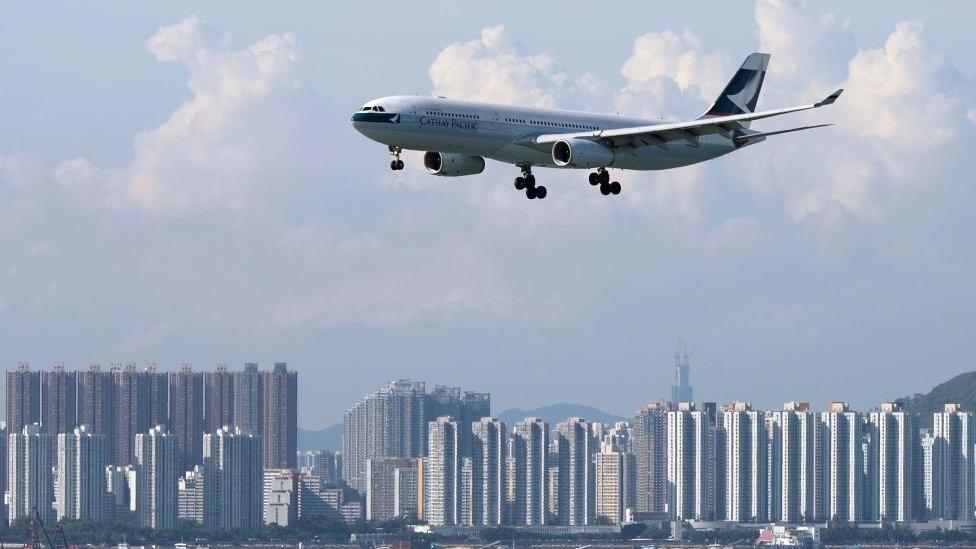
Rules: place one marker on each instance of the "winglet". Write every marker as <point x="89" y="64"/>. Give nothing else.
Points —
<point x="830" y="98"/>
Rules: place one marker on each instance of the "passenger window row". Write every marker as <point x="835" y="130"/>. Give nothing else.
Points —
<point x="570" y="125"/>
<point x="454" y="114"/>
<point x="378" y="108"/>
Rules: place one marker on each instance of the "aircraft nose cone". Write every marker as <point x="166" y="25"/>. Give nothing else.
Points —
<point x="357" y="122"/>
<point x="364" y="121"/>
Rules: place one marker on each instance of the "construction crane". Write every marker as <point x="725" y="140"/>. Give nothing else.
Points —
<point x="64" y="539"/>
<point x="33" y="541"/>
<point x="37" y="515"/>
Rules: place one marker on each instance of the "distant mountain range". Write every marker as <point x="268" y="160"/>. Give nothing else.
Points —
<point x="555" y="413"/>
<point x="330" y="438"/>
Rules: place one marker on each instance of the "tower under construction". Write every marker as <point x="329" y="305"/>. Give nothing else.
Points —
<point x="681" y="390"/>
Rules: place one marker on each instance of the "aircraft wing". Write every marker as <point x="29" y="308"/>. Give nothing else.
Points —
<point x="660" y="134"/>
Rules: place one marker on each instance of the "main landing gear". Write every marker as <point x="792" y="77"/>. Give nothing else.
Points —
<point x="601" y="177"/>
<point x="396" y="163"/>
<point x="526" y="182"/>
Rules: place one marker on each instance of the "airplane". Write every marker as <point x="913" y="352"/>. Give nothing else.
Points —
<point x="457" y="136"/>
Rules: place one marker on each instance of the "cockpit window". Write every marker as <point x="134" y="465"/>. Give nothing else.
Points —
<point x="378" y="108"/>
<point x="365" y="108"/>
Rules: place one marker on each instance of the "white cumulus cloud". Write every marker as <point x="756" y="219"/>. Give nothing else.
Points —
<point x="496" y="67"/>
<point x="899" y="108"/>
<point x="810" y="49"/>
<point x="178" y="42"/>
<point x="902" y="87"/>
<point x="220" y="146"/>
<point x="671" y="73"/>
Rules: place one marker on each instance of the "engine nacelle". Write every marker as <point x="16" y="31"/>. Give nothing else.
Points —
<point x="581" y="153"/>
<point x="453" y="165"/>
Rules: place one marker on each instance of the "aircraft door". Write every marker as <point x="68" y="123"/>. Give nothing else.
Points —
<point x="407" y="112"/>
<point x="490" y="118"/>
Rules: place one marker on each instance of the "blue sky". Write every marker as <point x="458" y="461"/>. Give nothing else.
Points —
<point x="180" y="183"/>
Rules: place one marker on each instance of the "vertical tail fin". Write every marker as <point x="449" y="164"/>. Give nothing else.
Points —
<point x="742" y="92"/>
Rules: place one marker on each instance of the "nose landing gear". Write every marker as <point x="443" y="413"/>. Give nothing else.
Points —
<point x="526" y="182"/>
<point x="396" y="163"/>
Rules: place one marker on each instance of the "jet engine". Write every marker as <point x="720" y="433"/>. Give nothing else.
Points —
<point x="581" y="153"/>
<point x="453" y="165"/>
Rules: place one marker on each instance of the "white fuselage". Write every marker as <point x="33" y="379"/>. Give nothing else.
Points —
<point x="504" y="132"/>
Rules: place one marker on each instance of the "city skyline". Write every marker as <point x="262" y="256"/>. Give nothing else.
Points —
<point x="437" y="453"/>
<point x="690" y="462"/>
<point x="121" y="402"/>
<point x="149" y="446"/>
<point x="680" y="366"/>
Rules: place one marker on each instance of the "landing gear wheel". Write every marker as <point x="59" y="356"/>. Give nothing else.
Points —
<point x="594" y="178"/>
<point x="396" y="163"/>
<point x="615" y="187"/>
<point x="526" y="182"/>
<point x="604" y="176"/>
<point x="604" y="189"/>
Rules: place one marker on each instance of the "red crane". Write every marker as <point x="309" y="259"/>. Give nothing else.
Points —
<point x="33" y="540"/>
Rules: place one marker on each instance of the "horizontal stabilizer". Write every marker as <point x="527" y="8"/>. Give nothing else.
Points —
<point x="760" y="136"/>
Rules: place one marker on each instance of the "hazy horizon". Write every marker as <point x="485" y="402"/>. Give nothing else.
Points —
<point x="496" y="410"/>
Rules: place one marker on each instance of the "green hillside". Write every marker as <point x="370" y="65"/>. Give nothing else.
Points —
<point x="960" y="389"/>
